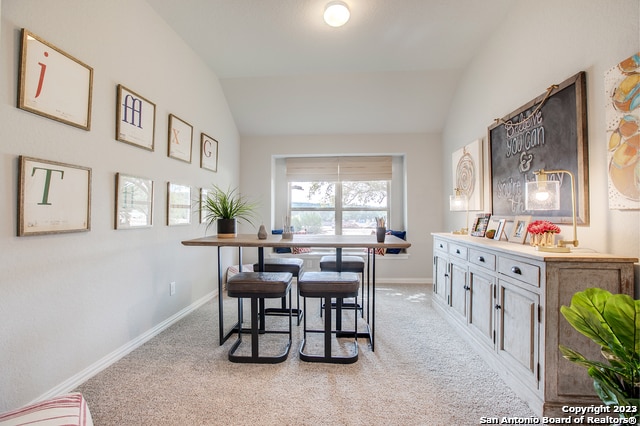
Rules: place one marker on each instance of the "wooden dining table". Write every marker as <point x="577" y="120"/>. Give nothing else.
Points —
<point x="337" y="242"/>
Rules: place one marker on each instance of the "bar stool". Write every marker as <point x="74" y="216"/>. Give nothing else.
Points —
<point x="354" y="264"/>
<point x="257" y="286"/>
<point x="292" y="265"/>
<point x="329" y="285"/>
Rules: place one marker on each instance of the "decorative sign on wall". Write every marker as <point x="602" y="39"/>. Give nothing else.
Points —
<point x="549" y="132"/>
<point x="467" y="172"/>
<point x="134" y="202"/>
<point x="208" y="153"/>
<point x="53" y="83"/>
<point x="180" y="139"/>
<point x="135" y="119"/>
<point x="54" y="197"/>
<point x="622" y="113"/>
<point x="178" y="204"/>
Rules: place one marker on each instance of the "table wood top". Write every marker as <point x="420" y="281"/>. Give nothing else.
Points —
<point x="301" y="240"/>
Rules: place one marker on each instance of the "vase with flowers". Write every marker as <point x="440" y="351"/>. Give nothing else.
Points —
<point x="543" y="233"/>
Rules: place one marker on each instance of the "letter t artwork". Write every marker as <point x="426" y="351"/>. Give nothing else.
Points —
<point x="54" y="197"/>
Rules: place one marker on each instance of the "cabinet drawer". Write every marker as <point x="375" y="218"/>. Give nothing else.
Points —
<point x="439" y="244"/>
<point x="481" y="258"/>
<point x="458" y="251"/>
<point x="521" y="271"/>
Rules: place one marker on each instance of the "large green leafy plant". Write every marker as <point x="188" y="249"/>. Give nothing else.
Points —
<point x="613" y="322"/>
<point x="227" y="204"/>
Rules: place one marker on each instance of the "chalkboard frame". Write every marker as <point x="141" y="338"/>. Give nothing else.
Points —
<point x="565" y="107"/>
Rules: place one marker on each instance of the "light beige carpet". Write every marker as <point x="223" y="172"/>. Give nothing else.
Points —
<point x="421" y="373"/>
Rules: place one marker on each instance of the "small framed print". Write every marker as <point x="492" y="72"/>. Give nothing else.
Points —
<point x="54" y="197"/>
<point x="178" y="204"/>
<point x="519" y="230"/>
<point x="208" y="153"/>
<point x="480" y="224"/>
<point x="53" y="83"/>
<point x="500" y="230"/>
<point x="180" y="139"/>
<point x="134" y="202"/>
<point x="204" y="193"/>
<point x="135" y="119"/>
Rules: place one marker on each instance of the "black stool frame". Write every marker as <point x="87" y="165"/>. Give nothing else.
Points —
<point x="257" y="328"/>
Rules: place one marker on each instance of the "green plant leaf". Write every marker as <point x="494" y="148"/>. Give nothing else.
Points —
<point x="586" y="315"/>
<point x="622" y="313"/>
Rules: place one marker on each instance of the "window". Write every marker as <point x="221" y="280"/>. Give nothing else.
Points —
<point x="338" y="195"/>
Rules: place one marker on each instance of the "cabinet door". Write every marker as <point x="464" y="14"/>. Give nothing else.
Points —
<point x="458" y="297"/>
<point x="518" y="331"/>
<point x="440" y="276"/>
<point x="482" y="306"/>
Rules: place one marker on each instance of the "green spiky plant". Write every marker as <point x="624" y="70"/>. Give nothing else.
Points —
<point x="613" y="322"/>
<point x="227" y="204"/>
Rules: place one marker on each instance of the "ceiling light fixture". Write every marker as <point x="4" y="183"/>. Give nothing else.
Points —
<point x="336" y="14"/>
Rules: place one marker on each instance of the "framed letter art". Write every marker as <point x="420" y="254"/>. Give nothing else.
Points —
<point x="134" y="202"/>
<point x="178" y="204"/>
<point x="180" y="139"/>
<point x="54" y="84"/>
<point x="135" y="119"/>
<point x="54" y="197"/>
<point x="208" y="153"/>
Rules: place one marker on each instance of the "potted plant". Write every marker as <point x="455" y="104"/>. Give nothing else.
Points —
<point x="613" y="322"/>
<point x="227" y="208"/>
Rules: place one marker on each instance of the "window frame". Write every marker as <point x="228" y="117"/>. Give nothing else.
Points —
<point x="338" y="207"/>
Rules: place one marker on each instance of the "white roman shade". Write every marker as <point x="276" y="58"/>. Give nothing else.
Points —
<point x="338" y="169"/>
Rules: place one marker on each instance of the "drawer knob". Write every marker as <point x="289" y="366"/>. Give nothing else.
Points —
<point x="480" y="258"/>
<point x="457" y="251"/>
<point x="498" y="307"/>
<point x="516" y="270"/>
<point x="466" y="287"/>
<point x="441" y="246"/>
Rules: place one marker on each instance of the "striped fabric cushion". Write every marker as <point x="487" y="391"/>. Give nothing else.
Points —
<point x="67" y="410"/>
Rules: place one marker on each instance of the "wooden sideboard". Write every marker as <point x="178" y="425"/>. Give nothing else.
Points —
<point x="505" y="299"/>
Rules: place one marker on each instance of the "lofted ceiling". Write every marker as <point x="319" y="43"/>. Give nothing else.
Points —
<point x="393" y="68"/>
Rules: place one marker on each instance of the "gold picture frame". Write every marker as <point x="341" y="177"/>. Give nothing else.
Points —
<point x="178" y="204"/>
<point x="53" y="83"/>
<point x="208" y="153"/>
<point x="134" y="202"/>
<point x="135" y="119"/>
<point x="54" y="197"/>
<point x="180" y="139"/>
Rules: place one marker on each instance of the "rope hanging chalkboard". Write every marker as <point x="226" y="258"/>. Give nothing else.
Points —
<point x="549" y="132"/>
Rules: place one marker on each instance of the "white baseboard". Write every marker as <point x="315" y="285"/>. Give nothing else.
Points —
<point x="84" y="375"/>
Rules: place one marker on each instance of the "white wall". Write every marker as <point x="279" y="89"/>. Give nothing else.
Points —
<point x="541" y="43"/>
<point x="423" y="184"/>
<point x="68" y="300"/>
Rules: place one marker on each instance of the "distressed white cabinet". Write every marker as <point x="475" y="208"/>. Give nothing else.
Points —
<point x="505" y="300"/>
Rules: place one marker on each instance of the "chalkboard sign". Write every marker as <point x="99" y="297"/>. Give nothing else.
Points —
<point x="548" y="133"/>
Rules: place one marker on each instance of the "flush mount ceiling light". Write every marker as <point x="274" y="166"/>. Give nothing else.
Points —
<point x="336" y="14"/>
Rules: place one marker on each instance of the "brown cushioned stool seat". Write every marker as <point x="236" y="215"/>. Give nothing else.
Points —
<point x="294" y="266"/>
<point x="349" y="264"/>
<point x="257" y="286"/>
<point x="328" y="285"/>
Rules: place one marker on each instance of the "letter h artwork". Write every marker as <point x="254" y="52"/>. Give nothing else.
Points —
<point x="54" y="197"/>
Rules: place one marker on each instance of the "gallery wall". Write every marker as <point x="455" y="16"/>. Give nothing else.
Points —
<point x="73" y="302"/>
<point x="540" y="44"/>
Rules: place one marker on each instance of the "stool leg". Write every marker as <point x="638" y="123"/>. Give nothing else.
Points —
<point x="327" y="330"/>
<point x="254" y="326"/>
